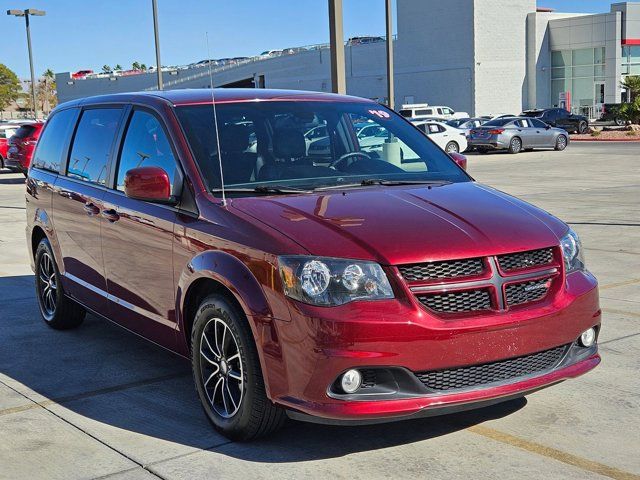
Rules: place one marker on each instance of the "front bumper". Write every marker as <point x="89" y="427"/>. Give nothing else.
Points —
<point x="304" y="357"/>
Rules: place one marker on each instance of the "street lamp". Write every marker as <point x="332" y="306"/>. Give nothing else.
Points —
<point x="26" y="14"/>
<point x="154" y="6"/>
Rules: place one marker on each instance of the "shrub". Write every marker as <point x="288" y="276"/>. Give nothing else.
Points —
<point x="596" y="133"/>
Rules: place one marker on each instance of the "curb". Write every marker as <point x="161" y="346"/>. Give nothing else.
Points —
<point x="634" y="140"/>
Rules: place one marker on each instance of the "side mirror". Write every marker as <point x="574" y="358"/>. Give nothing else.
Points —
<point x="150" y="184"/>
<point x="547" y="127"/>
<point x="460" y="159"/>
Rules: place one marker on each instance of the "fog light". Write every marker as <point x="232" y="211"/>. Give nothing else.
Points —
<point x="588" y="337"/>
<point x="351" y="381"/>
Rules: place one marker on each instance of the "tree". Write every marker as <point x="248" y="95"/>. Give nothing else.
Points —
<point x="632" y="84"/>
<point x="631" y="111"/>
<point x="9" y="87"/>
<point x="46" y="91"/>
<point x="106" y="69"/>
<point x="117" y="67"/>
<point x="135" y="65"/>
<point x="143" y="67"/>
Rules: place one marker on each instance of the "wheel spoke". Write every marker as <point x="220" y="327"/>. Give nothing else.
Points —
<point x="43" y="277"/>
<point x="212" y="362"/>
<point x="215" y="339"/>
<point x="215" y="390"/>
<point x="224" y="338"/>
<point x="235" y="407"/>
<point x="204" y="336"/>
<point x="224" y="398"/>
<point x="209" y="379"/>
<point x="235" y="376"/>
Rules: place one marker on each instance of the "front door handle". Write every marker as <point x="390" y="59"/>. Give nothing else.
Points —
<point x="111" y="215"/>
<point x="91" y="209"/>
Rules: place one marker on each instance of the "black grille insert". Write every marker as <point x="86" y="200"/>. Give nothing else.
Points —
<point x="520" y="260"/>
<point x="440" y="270"/>
<point x="500" y="371"/>
<point x="532" y="291"/>
<point x="456" y="302"/>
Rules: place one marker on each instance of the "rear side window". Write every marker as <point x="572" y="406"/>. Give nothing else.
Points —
<point x="538" y="123"/>
<point x="145" y="145"/>
<point x="24" y="131"/>
<point x="48" y="154"/>
<point x="92" y="144"/>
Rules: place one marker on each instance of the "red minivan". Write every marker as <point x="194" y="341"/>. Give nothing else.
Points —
<point x="21" y="146"/>
<point x="343" y="284"/>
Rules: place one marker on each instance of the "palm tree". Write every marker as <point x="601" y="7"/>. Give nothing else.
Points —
<point x="106" y="69"/>
<point x="135" y="65"/>
<point x="117" y="67"/>
<point x="631" y="83"/>
<point x="143" y="67"/>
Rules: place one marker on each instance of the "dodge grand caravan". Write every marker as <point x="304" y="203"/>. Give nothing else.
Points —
<point x="341" y="286"/>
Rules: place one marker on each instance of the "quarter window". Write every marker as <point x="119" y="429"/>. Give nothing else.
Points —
<point x="145" y="145"/>
<point x="92" y="144"/>
<point x="48" y="154"/>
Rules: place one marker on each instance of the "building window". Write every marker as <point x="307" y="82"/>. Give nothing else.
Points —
<point x="577" y="72"/>
<point x="631" y="60"/>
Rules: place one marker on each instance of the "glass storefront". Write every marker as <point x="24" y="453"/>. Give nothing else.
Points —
<point x="631" y="59"/>
<point x="580" y="72"/>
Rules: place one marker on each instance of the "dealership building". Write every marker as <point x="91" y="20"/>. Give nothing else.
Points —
<point x="478" y="56"/>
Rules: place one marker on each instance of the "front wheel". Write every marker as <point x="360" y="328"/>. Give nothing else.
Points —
<point x="515" y="145"/>
<point x="561" y="143"/>
<point x="57" y="310"/>
<point x="619" y="122"/>
<point x="227" y="373"/>
<point x="452" y="147"/>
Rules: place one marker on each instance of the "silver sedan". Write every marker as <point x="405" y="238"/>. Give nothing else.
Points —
<point x="516" y="134"/>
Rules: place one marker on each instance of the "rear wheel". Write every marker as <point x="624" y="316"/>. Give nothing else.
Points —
<point x="583" y="127"/>
<point x="515" y="145"/>
<point x="227" y="373"/>
<point x="57" y="310"/>
<point x="561" y="143"/>
<point x="619" y="121"/>
<point x="452" y="147"/>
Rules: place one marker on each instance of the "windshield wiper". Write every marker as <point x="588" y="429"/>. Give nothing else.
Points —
<point x="367" y="182"/>
<point x="263" y="189"/>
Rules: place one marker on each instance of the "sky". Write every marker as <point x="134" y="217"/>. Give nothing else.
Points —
<point x="83" y="34"/>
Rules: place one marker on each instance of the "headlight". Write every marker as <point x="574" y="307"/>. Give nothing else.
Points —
<point x="332" y="281"/>
<point x="572" y="252"/>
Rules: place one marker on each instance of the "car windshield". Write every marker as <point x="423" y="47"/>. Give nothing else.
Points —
<point x="498" y="122"/>
<point x="310" y="144"/>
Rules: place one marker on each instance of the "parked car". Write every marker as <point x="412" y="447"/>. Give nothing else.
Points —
<point x="516" y="134"/>
<point x="81" y="74"/>
<point x="372" y="287"/>
<point x="7" y="130"/>
<point x="611" y="113"/>
<point x="448" y="138"/>
<point x="423" y="111"/>
<point x="21" y="146"/>
<point x="560" y="118"/>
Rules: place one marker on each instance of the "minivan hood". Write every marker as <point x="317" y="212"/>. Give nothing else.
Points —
<point x="407" y="224"/>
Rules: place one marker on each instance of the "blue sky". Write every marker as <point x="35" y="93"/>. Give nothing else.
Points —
<point x="78" y="34"/>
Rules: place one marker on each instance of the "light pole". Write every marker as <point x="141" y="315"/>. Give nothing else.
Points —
<point x="390" y="85"/>
<point x="26" y="14"/>
<point x="336" y="41"/>
<point x="154" y="4"/>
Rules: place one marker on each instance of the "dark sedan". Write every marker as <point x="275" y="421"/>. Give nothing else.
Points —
<point x="560" y="118"/>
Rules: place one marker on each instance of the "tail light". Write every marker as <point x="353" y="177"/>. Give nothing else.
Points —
<point x="496" y="131"/>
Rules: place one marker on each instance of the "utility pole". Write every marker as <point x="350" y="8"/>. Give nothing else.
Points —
<point x="154" y="4"/>
<point x="26" y="13"/>
<point x="336" y="41"/>
<point x="390" y="71"/>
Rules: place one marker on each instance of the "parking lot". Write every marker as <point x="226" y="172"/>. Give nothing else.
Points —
<point x="98" y="402"/>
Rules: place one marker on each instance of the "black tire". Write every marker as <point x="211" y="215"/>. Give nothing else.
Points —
<point x="561" y="143"/>
<point x="57" y="310"/>
<point x="619" y="122"/>
<point x="254" y="415"/>
<point x="583" y="127"/>
<point x="452" y="147"/>
<point x="515" y="145"/>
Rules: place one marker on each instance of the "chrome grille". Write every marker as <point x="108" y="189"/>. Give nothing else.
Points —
<point x="500" y="371"/>
<point x="518" y="293"/>
<point x="520" y="260"/>
<point x="446" y="269"/>
<point x="456" y="302"/>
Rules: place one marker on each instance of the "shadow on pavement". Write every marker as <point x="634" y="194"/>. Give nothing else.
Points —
<point x="103" y="376"/>
<point x="12" y="181"/>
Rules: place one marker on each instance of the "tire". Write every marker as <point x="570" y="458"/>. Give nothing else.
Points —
<point x="515" y="145"/>
<point x="583" y="127"/>
<point x="619" y="122"/>
<point x="244" y="412"/>
<point x="452" y="147"/>
<point x="57" y="310"/>
<point x="561" y="143"/>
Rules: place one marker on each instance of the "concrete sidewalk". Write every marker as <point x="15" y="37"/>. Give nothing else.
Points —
<point x="98" y="402"/>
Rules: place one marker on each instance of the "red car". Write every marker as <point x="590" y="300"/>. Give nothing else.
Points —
<point x="21" y="146"/>
<point x="6" y="132"/>
<point x="342" y="287"/>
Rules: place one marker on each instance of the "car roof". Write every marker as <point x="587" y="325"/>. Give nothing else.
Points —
<point x="198" y="96"/>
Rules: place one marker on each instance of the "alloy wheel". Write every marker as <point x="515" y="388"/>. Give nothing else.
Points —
<point x="452" y="147"/>
<point x="48" y="286"/>
<point x="516" y="145"/>
<point x="221" y="368"/>
<point x="561" y="143"/>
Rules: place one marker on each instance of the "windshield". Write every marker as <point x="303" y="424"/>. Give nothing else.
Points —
<point x="307" y="145"/>
<point x="498" y="122"/>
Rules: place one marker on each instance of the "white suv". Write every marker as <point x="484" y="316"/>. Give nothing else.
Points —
<point x="418" y="111"/>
